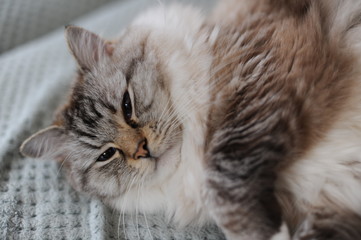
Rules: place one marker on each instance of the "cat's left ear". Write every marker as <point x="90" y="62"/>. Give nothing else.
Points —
<point x="87" y="47"/>
<point x="47" y="143"/>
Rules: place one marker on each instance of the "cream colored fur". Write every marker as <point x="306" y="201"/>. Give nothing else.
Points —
<point x="328" y="176"/>
<point x="179" y="195"/>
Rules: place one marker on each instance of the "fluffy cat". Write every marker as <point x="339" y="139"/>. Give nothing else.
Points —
<point x="250" y="118"/>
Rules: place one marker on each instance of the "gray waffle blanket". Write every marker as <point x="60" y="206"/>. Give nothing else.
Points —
<point x="36" y="70"/>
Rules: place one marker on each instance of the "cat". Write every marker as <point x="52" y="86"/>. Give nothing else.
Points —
<point x="249" y="118"/>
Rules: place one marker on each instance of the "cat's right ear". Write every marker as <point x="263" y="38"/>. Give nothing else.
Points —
<point x="87" y="47"/>
<point x="45" y="143"/>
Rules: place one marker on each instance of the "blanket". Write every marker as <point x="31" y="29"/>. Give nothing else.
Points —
<point x="36" y="71"/>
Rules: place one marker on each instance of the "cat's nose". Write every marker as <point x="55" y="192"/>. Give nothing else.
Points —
<point x="142" y="150"/>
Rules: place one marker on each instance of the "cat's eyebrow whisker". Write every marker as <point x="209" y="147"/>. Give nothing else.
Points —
<point x="166" y="107"/>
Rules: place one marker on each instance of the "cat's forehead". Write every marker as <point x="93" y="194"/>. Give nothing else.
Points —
<point x="130" y="51"/>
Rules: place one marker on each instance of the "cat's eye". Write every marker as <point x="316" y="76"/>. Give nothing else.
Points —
<point x="127" y="107"/>
<point x="109" y="153"/>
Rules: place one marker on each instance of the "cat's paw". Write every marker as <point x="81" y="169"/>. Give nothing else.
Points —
<point x="283" y="234"/>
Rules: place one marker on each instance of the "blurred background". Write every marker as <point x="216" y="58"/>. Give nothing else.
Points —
<point x="25" y="20"/>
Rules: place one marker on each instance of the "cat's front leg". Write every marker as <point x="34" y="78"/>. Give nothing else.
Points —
<point x="240" y="185"/>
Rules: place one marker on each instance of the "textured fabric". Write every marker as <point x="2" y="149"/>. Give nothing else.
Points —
<point x="23" y="20"/>
<point x="36" y="202"/>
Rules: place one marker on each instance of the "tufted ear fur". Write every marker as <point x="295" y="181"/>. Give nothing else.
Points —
<point x="87" y="47"/>
<point x="45" y="143"/>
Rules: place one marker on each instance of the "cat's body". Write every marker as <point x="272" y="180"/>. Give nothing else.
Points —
<point x="302" y="65"/>
<point x="250" y="118"/>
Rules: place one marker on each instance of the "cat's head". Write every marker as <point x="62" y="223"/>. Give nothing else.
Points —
<point x="118" y="127"/>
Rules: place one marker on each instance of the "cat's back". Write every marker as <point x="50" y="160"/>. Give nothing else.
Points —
<point x="288" y="76"/>
<point x="294" y="59"/>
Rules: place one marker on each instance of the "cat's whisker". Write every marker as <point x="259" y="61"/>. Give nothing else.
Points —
<point x="137" y="208"/>
<point x="167" y="106"/>
<point x="119" y="219"/>
<point x="125" y="202"/>
<point x="169" y="122"/>
<point x="120" y="216"/>
<point x="61" y="165"/>
<point x="173" y="114"/>
<point x="176" y="114"/>
<point x="174" y="139"/>
<point x="166" y="110"/>
<point x="145" y="216"/>
<point x="169" y="118"/>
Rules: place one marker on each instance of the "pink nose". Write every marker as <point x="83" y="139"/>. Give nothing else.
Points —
<point x="142" y="150"/>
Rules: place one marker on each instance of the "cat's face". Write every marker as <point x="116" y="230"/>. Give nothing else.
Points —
<point x="118" y="129"/>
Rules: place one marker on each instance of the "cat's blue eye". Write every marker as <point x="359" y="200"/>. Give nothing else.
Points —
<point x="127" y="107"/>
<point x="107" y="154"/>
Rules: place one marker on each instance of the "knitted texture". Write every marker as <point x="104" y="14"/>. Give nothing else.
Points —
<point x="36" y="202"/>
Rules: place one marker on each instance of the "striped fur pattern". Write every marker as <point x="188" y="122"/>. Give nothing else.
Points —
<point x="251" y="118"/>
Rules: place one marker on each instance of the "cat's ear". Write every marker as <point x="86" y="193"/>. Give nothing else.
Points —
<point x="87" y="47"/>
<point x="45" y="143"/>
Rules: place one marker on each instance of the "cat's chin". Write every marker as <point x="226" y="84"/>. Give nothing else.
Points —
<point x="166" y="163"/>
